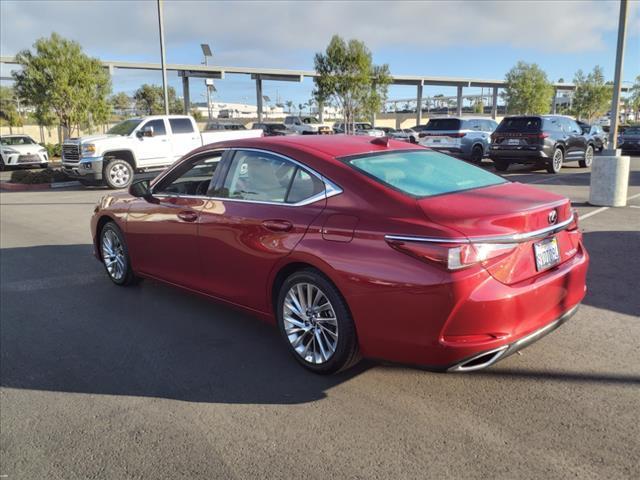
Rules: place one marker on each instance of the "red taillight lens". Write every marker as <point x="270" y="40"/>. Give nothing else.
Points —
<point x="543" y="135"/>
<point x="574" y="223"/>
<point x="456" y="135"/>
<point x="453" y="256"/>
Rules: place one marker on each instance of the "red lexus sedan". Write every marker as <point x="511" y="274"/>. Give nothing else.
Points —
<point x="355" y="247"/>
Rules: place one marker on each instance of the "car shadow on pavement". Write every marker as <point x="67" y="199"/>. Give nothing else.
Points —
<point x="65" y="327"/>
<point x="612" y="279"/>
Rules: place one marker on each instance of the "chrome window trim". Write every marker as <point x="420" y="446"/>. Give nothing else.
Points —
<point x="516" y="238"/>
<point x="330" y="188"/>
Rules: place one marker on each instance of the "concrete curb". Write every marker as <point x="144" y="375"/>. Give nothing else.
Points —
<point x="25" y="187"/>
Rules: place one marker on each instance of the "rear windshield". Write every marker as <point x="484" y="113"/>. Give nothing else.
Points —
<point x="520" y="124"/>
<point x="423" y="173"/>
<point x="444" y="124"/>
<point x="632" y="131"/>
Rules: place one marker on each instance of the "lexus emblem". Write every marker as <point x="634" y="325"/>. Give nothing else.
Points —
<point x="553" y="217"/>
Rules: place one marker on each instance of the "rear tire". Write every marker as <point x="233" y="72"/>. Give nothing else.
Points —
<point x="501" y="165"/>
<point x="477" y="154"/>
<point x="115" y="255"/>
<point x="555" y="164"/>
<point x="319" y="334"/>
<point x="588" y="157"/>
<point x="118" y="174"/>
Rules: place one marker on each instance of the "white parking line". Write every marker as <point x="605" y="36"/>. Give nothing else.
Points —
<point x="602" y="209"/>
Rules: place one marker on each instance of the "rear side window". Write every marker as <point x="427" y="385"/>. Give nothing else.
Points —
<point x="520" y="124"/>
<point x="181" y="125"/>
<point x="303" y="186"/>
<point x="423" y="173"/>
<point x="444" y="124"/>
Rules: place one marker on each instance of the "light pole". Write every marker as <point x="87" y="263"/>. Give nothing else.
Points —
<point x="615" y="104"/>
<point x="164" y="68"/>
<point x="206" y="51"/>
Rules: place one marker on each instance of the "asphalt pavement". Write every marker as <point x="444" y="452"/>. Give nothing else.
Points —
<point x="98" y="381"/>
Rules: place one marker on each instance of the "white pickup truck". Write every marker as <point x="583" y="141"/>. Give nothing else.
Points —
<point x="137" y="145"/>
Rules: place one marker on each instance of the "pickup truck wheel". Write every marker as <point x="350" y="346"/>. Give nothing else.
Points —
<point x="118" y="174"/>
<point x="555" y="164"/>
<point x="115" y="255"/>
<point x="588" y="157"/>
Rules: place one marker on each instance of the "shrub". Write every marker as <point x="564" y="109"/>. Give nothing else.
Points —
<point x="54" y="149"/>
<point x="48" y="175"/>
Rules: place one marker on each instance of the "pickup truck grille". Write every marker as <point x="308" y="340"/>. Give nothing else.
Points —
<point x="70" y="153"/>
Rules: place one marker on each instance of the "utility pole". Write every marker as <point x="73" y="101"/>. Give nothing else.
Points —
<point x="617" y="81"/>
<point x="164" y="67"/>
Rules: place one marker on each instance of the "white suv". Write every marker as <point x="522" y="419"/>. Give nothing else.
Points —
<point x="21" y="151"/>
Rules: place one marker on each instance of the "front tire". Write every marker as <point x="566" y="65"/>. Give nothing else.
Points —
<point x="315" y="323"/>
<point x="588" y="157"/>
<point x="555" y="165"/>
<point x="118" y="174"/>
<point x="115" y="255"/>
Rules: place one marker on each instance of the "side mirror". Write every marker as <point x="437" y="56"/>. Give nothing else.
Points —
<point x="145" y="132"/>
<point x="140" y="189"/>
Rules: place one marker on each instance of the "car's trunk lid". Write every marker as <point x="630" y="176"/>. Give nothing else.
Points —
<point x="506" y="213"/>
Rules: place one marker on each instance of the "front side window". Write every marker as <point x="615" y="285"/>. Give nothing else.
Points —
<point x="423" y="173"/>
<point x="180" y="125"/>
<point x="158" y="127"/>
<point x="192" y="178"/>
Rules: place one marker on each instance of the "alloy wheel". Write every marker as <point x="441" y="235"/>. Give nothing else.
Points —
<point x="113" y="255"/>
<point x="119" y="175"/>
<point x="557" y="160"/>
<point x="310" y="323"/>
<point x="588" y="156"/>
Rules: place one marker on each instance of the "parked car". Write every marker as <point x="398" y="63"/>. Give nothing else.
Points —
<point x="307" y="126"/>
<point x="596" y="133"/>
<point x="271" y="129"/>
<point x="360" y="128"/>
<point x="135" y="145"/>
<point x="459" y="269"/>
<point x="218" y="125"/>
<point x="402" y="134"/>
<point x="467" y="138"/>
<point x="629" y="140"/>
<point x="545" y="140"/>
<point x="22" y="151"/>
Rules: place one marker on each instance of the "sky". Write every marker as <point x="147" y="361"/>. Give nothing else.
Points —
<point x="480" y="39"/>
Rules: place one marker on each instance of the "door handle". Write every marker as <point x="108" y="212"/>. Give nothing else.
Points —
<point x="277" y="225"/>
<point x="188" y="216"/>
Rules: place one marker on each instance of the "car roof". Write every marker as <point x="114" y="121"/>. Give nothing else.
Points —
<point x="335" y="146"/>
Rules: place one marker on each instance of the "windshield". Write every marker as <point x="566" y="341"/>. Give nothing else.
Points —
<point x="125" y="128"/>
<point x="310" y="120"/>
<point x="364" y="126"/>
<point x="423" y="173"/>
<point x="17" y="141"/>
<point x="444" y="124"/>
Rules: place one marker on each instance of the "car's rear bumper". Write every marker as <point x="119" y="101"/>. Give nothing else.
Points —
<point x="629" y="147"/>
<point x="519" y="154"/>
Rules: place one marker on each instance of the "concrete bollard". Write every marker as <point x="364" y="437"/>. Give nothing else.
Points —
<point x="609" y="181"/>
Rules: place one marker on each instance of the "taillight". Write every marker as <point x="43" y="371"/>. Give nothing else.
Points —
<point x="574" y="223"/>
<point x="453" y="256"/>
<point x="456" y="135"/>
<point x="543" y="135"/>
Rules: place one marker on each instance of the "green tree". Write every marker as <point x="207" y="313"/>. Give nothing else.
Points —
<point x="478" y="106"/>
<point x="634" y="96"/>
<point x="121" y="102"/>
<point x="347" y="76"/>
<point x="150" y="100"/>
<point x="527" y="89"/>
<point x="63" y="84"/>
<point x="289" y="105"/>
<point x="8" y="108"/>
<point x="197" y="115"/>
<point x="592" y="96"/>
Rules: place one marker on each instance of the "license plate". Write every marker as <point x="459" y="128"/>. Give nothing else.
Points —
<point x="547" y="253"/>
<point x="28" y="158"/>
<point x="435" y="140"/>
<point x="513" y="141"/>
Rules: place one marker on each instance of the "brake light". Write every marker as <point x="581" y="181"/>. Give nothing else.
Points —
<point x="456" y="135"/>
<point x="543" y="135"/>
<point x="453" y="256"/>
<point x="574" y="223"/>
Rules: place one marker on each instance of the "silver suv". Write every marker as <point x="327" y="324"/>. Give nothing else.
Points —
<point x="467" y="138"/>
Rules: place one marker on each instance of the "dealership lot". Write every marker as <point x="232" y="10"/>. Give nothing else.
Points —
<point x="152" y="382"/>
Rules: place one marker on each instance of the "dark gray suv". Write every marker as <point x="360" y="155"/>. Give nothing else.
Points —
<point x="544" y="140"/>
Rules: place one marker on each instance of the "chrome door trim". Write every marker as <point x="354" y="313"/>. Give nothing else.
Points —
<point x="515" y="238"/>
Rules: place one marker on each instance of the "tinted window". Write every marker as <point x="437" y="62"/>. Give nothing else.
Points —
<point x="520" y="124"/>
<point x="158" y="127"/>
<point x="424" y="173"/>
<point x="181" y="125"/>
<point x="194" y="178"/>
<point x="443" y="124"/>
<point x="258" y="176"/>
<point x="304" y="185"/>
<point x="17" y="141"/>
<point x="472" y="124"/>
<point x="553" y="123"/>
<point x="631" y="131"/>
